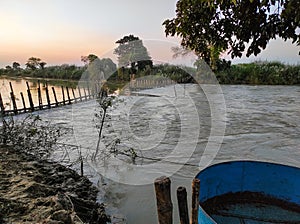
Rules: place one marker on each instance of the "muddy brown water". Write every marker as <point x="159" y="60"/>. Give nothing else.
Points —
<point x="262" y="123"/>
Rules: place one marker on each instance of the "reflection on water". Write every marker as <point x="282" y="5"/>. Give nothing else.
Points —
<point x="19" y="85"/>
<point x="262" y="123"/>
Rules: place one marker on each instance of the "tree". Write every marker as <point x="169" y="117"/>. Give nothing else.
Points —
<point x="8" y="68"/>
<point x="88" y="59"/>
<point x="97" y="72"/>
<point x="100" y="69"/>
<point x="42" y="64"/>
<point x="34" y="63"/>
<point x="16" y="65"/>
<point x="131" y="52"/>
<point x="210" y="27"/>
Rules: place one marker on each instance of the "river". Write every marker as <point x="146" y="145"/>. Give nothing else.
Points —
<point x="19" y="86"/>
<point x="174" y="128"/>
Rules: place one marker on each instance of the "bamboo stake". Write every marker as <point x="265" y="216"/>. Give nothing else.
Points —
<point x="13" y="99"/>
<point x="79" y="93"/>
<point x="63" y="95"/>
<point x="2" y="106"/>
<point x="68" y="94"/>
<point x="55" y="98"/>
<point x="195" y="200"/>
<point x="30" y="98"/>
<point x="163" y="200"/>
<point x="47" y="96"/>
<point x="85" y="94"/>
<point x="182" y="205"/>
<point x="23" y="101"/>
<point x="88" y="88"/>
<point x="95" y="89"/>
<point x="74" y="97"/>
<point x="40" y="95"/>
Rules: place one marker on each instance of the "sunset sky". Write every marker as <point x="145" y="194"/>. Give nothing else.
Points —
<point x="60" y="32"/>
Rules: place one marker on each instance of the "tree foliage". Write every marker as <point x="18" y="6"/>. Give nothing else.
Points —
<point x="34" y="63"/>
<point x="132" y="52"/>
<point x="99" y="70"/>
<point x="16" y="65"/>
<point x="64" y="71"/>
<point x="88" y="59"/>
<point x="209" y="25"/>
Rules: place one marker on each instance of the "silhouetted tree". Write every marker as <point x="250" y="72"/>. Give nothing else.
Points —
<point x="34" y="63"/>
<point x="42" y="64"/>
<point x="16" y="65"/>
<point x="8" y="67"/>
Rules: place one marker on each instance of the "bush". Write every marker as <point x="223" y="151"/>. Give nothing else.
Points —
<point x="30" y="135"/>
<point x="263" y="73"/>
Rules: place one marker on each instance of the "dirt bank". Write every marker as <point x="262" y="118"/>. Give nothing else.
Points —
<point x="35" y="191"/>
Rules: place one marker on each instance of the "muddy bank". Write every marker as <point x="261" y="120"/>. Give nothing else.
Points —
<point x="35" y="191"/>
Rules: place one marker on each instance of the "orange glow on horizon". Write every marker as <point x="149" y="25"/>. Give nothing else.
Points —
<point x="54" y="53"/>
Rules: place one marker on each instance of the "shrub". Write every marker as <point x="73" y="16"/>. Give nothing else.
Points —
<point x="30" y="135"/>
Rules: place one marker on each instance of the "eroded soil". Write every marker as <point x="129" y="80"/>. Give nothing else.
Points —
<point x="38" y="191"/>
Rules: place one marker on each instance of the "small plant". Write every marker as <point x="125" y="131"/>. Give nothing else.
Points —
<point x="131" y="152"/>
<point x="30" y="135"/>
<point x="105" y="102"/>
<point x="113" y="145"/>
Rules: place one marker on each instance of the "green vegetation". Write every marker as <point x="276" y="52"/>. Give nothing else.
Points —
<point x="207" y="27"/>
<point x="135" y="62"/>
<point x="88" y="59"/>
<point x="256" y="73"/>
<point x="34" y="63"/>
<point x="132" y="54"/>
<point x="36" y="69"/>
<point x="30" y="135"/>
<point x="210" y="27"/>
<point x="179" y="74"/>
<point x="260" y="73"/>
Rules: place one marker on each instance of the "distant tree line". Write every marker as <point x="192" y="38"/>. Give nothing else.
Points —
<point x="256" y="73"/>
<point x="134" y="62"/>
<point x="35" y="67"/>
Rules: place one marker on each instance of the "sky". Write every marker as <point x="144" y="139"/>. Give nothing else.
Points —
<point x="61" y="31"/>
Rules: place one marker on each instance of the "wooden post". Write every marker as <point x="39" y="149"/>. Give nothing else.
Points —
<point x="195" y="200"/>
<point x="163" y="200"/>
<point x="182" y="205"/>
<point x="74" y="97"/>
<point x="2" y="106"/>
<point x="85" y="94"/>
<point x="47" y="96"/>
<point x="88" y="89"/>
<point x="55" y="98"/>
<point x="13" y="99"/>
<point x="95" y="90"/>
<point x="30" y="98"/>
<point x="68" y="94"/>
<point x="79" y="93"/>
<point x="63" y="95"/>
<point x="23" y="101"/>
<point x="40" y="96"/>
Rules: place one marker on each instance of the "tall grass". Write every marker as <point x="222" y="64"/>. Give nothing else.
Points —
<point x="261" y="73"/>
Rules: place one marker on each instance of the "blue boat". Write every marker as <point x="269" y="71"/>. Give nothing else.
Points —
<point x="249" y="192"/>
